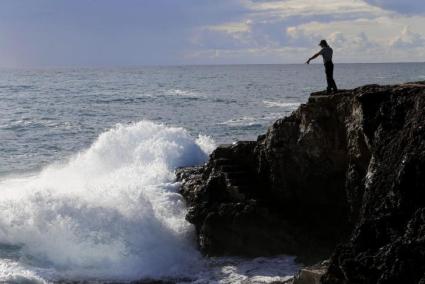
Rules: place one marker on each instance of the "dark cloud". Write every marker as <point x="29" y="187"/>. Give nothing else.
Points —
<point x="401" y="6"/>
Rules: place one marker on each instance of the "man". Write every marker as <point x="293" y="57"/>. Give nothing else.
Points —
<point x="326" y="52"/>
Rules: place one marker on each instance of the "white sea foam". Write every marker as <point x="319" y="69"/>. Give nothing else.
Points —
<point x="281" y="104"/>
<point x="110" y="212"/>
<point x="184" y="93"/>
<point x="229" y="270"/>
<point x="242" y="121"/>
<point x="15" y="272"/>
<point x="252" y="121"/>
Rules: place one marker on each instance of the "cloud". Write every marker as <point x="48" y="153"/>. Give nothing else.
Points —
<point x="346" y="44"/>
<point x="358" y="42"/>
<point x="248" y="55"/>
<point x="231" y="28"/>
<point x="382" y="31"/>
<point x="282" y="26"/>
<point x="404" y="7"/>
<point x="380" y="39"/>
<point x="330" y="8"/>
<point x="408" y="39"/>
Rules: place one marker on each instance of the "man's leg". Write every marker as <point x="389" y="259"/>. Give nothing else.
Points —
<point x="328" y="71"/>
<point x="333" y="84"/>
<point x="330" y="76"/>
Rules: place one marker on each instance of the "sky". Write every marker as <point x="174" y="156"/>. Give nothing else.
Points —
<point x="60" y="33"/>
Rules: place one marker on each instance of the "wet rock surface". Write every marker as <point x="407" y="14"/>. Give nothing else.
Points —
<point x="344" y="168"/>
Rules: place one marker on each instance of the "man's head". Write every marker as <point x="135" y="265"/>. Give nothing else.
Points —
<point x="323" y="43"/>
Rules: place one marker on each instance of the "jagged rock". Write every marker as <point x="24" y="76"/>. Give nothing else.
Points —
<point x="311" y="274"/>
<point x="388" y="243"/>
<point x="346" y="164"/>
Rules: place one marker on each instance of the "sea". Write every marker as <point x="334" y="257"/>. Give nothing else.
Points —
<point x="87" y="161"/>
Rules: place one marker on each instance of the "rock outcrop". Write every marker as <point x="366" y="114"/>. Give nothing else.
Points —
<point x="312" y="274"/>
<point x="344" y="168"/>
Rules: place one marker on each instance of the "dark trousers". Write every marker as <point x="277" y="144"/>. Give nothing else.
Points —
<point x="329" y="69"/>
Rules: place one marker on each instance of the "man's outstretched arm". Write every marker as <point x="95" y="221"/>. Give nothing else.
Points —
<point x="313" y="57"/>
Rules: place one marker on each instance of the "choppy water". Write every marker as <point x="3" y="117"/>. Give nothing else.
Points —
<point x="87" y="157"/>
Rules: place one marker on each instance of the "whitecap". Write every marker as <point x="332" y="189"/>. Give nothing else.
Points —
<point x="241" y="121"/>
<point x="282" y="104"/>
<point x="250" y="121"/>
<point x="184" y="93"/>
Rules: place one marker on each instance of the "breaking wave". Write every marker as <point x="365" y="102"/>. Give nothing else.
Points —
<point x="110" y="212"/>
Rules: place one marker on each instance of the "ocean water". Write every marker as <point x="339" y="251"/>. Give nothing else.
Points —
<point x="87" y="160"/>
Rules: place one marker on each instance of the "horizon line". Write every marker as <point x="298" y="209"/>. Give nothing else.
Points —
<point x="187" y="65"/>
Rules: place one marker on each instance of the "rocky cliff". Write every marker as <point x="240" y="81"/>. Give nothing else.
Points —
<point x="346" y="168"/>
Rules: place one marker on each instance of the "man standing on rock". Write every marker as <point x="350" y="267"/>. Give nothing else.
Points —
<point x="326" y="53"/>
